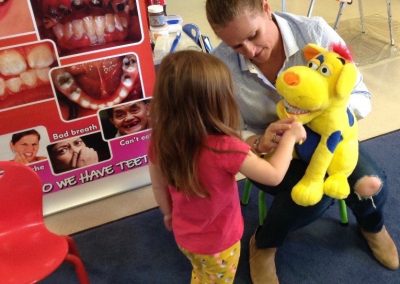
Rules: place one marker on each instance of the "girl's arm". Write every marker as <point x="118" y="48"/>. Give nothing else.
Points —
<point x="161" y="194"/>
<point x="272" y="172"/>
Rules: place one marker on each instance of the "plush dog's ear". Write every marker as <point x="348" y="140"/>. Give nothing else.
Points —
<point x="311" y="50"/>
<point x="346" y="80"/>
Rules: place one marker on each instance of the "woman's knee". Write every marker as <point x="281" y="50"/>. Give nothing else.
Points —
<point x="368" y="186"/>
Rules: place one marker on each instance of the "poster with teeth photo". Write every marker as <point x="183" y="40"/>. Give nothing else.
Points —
<point x="76" y="78"/>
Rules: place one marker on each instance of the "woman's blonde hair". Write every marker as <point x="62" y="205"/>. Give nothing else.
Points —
<point x="221" y="12"/>
<point x="193" y="97"/>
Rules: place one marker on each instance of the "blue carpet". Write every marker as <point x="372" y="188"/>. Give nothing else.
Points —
<point x="138" y="249"/>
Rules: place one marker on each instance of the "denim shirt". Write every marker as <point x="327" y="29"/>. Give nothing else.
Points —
<point x="257" y="97"/>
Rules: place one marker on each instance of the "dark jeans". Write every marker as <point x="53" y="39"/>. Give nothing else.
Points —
<point x="285" y="216"/>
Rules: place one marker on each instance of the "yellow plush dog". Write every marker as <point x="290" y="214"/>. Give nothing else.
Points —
<point x="317" y="95"/>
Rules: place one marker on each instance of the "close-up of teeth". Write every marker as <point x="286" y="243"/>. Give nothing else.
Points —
<point x="66" y="82"/>
<point x="40" y="56"/>
<point x="25" y="68"/>
<point x="94" y="28"/>
<point x="89" y="24"/>
<point x="12" y="62"/>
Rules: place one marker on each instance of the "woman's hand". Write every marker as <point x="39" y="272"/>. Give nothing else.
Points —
<point x="86" y="156"/>
<point x="272" y="135"/>
<point x="20" y="158"/>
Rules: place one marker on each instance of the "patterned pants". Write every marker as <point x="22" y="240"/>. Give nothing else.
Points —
<point x="214" y="269"/>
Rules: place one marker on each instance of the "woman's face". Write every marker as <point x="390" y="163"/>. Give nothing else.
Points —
<point x="131" y="118"/>
<point x="252" y="33"/>
<point x="27" y="146"/>
<point x="63" y="152"/>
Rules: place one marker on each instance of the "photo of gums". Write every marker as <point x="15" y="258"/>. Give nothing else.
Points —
<point x="83" y="89"/>
<point x="24" y="74"/>
<point x="78" y="26"/>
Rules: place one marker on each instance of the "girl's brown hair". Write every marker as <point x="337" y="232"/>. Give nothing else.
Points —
<point x="193" y="97"/>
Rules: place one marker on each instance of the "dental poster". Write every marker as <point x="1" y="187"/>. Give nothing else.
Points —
<point x="75" y="85"/>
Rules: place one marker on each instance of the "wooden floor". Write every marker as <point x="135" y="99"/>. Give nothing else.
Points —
<point x="381" y="76"/>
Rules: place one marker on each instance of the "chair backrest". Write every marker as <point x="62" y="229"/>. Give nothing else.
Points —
<point x="20" y="196"/>
<point x="203" y="41"/>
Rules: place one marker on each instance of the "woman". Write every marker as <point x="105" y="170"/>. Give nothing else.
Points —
<point x="70" y="154"/>
<point x="257" y="45"/>
<point x="25" y="146"/>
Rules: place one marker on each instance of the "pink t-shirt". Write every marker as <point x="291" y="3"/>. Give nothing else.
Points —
<point x="213" y="224"/>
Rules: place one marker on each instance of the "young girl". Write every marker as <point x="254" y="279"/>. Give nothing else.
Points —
<point x="195" y="153"/>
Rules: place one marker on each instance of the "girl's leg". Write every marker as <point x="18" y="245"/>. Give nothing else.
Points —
<point x="217" y="268"/>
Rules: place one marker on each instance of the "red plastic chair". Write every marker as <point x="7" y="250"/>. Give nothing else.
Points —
<point x="29" y="252"/>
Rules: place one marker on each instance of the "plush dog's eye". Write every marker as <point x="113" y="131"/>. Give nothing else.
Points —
<point x="324" y="70"/>
<point x="312" y="65"/>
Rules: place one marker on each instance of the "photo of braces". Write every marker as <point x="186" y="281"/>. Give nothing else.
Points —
<point x="24" y="74"/>
<point x="78" y="26"/>
<point x="15" y="18"/>
<point x="84" y="88"/>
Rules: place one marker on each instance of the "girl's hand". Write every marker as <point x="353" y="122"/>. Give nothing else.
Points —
<point x="272" y="135"/>
<point x="168" y="222"/>
<point x="297" y="129"/>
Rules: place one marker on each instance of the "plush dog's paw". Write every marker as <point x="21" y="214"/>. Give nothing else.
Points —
<point x="337" y="186"/>
<point x="307" y="193"/>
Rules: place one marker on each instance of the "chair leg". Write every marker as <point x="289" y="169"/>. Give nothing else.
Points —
<point x="74" y="258"/>
<point x="342" y="5"/>
<point x="283" y="3"/>
<point x="310" y="8"/>
<point x="72" y="248"/>
<point x="344" y="220"/>
<point x="262" y="207"/>
<point x="79" y="268"/>
<point x="389" y="12"/>
<point x="246" y="192"/>
<point x="361" y="11"/>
